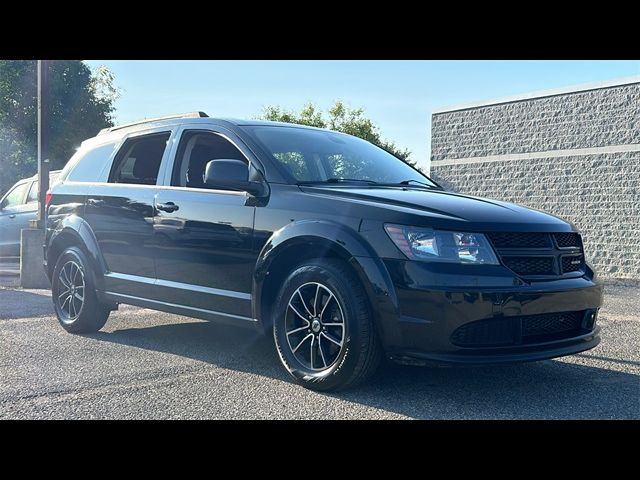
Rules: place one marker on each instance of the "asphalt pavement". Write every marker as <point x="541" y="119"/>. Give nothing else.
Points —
<point x="9" y="273"/>
<point x="146" y="364"/>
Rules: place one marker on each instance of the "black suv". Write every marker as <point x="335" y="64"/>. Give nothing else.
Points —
<point x="344" y="252"/>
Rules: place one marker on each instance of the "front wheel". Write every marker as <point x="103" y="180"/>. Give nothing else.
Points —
<point x="323" y="327"/>
<point x="74" y="297"/>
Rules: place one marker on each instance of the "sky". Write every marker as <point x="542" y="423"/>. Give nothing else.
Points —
<point x="399" y="96"/>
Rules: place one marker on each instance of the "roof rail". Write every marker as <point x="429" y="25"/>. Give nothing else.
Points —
<point x="157" y="119"/>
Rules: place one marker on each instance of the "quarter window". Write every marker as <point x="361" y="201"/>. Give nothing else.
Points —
<point x="138" y="161"/>
<point x="91" y="164"/>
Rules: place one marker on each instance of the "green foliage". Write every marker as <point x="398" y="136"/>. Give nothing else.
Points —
<point x="340" y="118"/>
<point x="81" y="103"/>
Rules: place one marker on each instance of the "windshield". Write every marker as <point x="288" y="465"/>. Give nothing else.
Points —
<point x="314" y="156"/>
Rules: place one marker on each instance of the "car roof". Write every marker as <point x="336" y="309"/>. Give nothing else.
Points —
<point x="194" y="118"/>
<point x="35" y="177"/>
<point x="266" y="123"/>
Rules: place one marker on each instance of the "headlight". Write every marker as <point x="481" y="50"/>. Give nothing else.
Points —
<point x="431" y="245"/>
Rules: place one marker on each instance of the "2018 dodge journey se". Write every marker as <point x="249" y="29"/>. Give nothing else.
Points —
<point x="341" y="251"/>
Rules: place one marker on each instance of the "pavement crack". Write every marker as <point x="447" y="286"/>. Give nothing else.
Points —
<point x="138" y="381"/>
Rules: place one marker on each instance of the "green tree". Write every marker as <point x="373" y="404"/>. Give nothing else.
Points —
<point x="81" y="103"/>
<point x="341" y="118"/>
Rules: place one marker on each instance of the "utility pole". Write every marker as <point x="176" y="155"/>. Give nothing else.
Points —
<point x="32" y="274"/>
<point x="43" y="139"/>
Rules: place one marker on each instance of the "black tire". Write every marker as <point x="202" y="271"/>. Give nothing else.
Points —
<point x="77" y="308"/>
<point x="344" y="366"/>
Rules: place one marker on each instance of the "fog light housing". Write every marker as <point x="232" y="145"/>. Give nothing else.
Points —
<point x="589" y="320"/>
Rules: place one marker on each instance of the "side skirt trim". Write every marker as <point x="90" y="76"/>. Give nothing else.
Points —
<point x="138" y="300"/>
<point x="179" y="285"/>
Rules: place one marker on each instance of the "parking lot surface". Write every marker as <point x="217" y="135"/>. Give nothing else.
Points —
<point x="147" y="364"/>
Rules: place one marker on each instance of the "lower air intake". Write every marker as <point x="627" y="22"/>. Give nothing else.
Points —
<point x="504" y="331"/>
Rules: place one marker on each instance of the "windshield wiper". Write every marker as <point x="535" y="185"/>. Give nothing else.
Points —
<point x="351" y="180"/>
<point x="339" y="180"/>
<point x="409" y="182"/>
<point x="417" y="183"/>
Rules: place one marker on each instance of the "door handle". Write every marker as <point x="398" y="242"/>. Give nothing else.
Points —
<point x="13" y="215"/>
<point x="95" y="203"/>
<point x="167" y="207"/>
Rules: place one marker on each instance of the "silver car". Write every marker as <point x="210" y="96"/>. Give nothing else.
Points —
<point x="17" y="208"/>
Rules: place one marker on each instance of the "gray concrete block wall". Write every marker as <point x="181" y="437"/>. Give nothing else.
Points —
<point x="599" y="192"/>
<point x="594" y="118"/>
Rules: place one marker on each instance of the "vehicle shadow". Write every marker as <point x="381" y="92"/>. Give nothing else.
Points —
<point x="546" y="389"/>
<point x="16" y="304"/>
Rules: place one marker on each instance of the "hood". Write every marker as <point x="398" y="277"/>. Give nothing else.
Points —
<point x="439" y="207"/>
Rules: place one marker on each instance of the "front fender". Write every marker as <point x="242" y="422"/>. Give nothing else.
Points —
<point x="335" y="232"/>
<point x="310" y="230"/>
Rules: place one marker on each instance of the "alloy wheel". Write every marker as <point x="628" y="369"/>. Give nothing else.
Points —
<point x="315" y="326"/>
<point x="70" y="292"/>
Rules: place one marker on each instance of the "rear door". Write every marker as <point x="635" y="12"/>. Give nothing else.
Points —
<point x="204" y="255"/>
<point x="15" y="214"/>
<point x="120" y="212"/>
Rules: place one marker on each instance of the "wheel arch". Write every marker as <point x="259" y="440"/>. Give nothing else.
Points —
<point x="301" y="241"/>
<point x="74" y="231"/>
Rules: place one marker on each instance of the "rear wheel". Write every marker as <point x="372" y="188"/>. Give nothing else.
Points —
<point x="74" y="298"/>
<point x="323" y="327"/>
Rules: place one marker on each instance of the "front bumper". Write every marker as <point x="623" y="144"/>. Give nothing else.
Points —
<point x="522" y="353"/>
<point x="435" y="302"/>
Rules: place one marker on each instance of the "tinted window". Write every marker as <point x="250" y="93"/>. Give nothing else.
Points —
<point x="196" y="149"/>
<point x="90" y="165"/>
<point x="319" y="155"/>
<point x="16" y="196"/>
<point x="138" y="161"/>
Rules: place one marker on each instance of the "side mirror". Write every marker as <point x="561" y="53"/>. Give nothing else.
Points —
<point x="229" y="174"/>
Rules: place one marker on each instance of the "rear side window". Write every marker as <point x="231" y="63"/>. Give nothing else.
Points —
<point x="138" y="161"/>
<point x="91" y="164"/>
